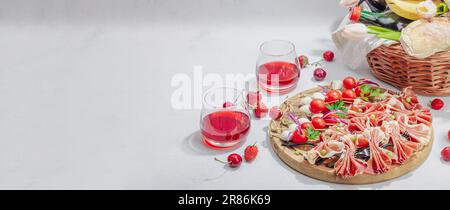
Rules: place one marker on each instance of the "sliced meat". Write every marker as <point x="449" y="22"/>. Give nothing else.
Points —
<point x="379" y="160"/>
<point x="348" y="166"/>
<point x="419" y="132"/>
<point x="402" y="148"/>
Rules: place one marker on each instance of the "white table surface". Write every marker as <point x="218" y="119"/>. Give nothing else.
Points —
<point x="85" y="90"/>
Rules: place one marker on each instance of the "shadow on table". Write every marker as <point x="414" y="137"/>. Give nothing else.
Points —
<point x="310" y="181"/>
<point x="193" y="144"/>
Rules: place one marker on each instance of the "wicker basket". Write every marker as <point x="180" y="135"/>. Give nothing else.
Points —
<point x="429" y="76"/>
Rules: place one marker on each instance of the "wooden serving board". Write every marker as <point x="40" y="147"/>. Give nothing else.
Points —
<point x="297" y="162"/>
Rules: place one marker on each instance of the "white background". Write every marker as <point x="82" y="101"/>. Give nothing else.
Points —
<point x="85" y="89"/>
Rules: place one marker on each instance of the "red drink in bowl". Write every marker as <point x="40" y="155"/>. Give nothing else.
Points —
<point x="277" y="68"/>
<point x="225" y="121"/>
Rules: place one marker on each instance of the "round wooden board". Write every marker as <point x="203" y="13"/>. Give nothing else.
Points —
<point x="323" y="173"/>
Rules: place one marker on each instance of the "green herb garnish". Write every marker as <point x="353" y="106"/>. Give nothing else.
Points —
<point x="311" y="133"/>
<point x="369" y="91"/>
<point x="338" y="105"/>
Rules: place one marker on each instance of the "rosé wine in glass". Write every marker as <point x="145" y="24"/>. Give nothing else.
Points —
<point x="225" y="121"/>
<point x="277" y="67"/>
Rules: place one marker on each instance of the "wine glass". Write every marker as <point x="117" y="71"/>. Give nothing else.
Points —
<point x="224" y="120"/>
<point x="277" y="67"/>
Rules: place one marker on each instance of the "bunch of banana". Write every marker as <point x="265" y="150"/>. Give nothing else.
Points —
<point x="407" y="8"/>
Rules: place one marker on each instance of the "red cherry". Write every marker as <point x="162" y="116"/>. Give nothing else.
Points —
<point x="328" y="56"/>
<point x="448" y="134"/>
<point x="445" y="153"/>
<point x="275" y="113"/>
<point x="234" y="160"/>
<point x="437" y="104"/>
<point x="320" y="74"/>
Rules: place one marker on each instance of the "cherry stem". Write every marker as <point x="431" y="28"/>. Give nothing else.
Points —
<point x="220" y="161"/>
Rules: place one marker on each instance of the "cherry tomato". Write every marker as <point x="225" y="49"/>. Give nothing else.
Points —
<point x="306" y="125"/>
<point x="299" y="136"/>
<point x="349" y="83"/>
<point x="317" y="106"/>
<point x="333" y="95"/>
<point x="318" y="123"/>
<point x="349" y="95"/>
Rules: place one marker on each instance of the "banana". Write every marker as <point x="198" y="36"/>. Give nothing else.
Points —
<point x="407" y="8"/>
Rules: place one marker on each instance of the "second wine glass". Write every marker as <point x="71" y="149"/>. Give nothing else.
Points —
<point x="277" y="67"/>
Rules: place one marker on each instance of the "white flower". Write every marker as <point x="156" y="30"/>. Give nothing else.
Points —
<point x="355" y="31"/>
<point x="348" y="3"/>
<point x="427" y="9"/>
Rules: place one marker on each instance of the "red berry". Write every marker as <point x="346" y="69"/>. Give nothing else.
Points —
<point x="261" y="110"/>
<point x="227" y="104"/>
<point x="320" y="74"/>
<point x="448" y="134"/>
<point x="234" y="160"/>
<point x="303" y="61"/>
<point x="446" y="154"/>
<point x="275" y="113"/>
<point x="328" y="56"/>
<point x="437" y="104"/>
<point x="250" y="152"/>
